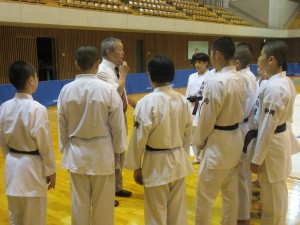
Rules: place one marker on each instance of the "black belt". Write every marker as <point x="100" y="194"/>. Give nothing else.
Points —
<point x="148" y="148"/>
<point x="231" y="127"/>
<point x="193" y="99"/>
<point x="253" y="134"/>
<point x="36" y="152"/>
<point x="246" y="120"/>
<point x="195" y="108"/>
<point x="281" y="128"/>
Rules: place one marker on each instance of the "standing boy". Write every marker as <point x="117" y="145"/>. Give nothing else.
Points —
<point x="272" y="156"/>
<point x="194" y="91"/>
<point x="26" y="145"/>
<point x="242" y="57"/>
<point x="219" y="135"/>
<point x="159" y="144"/>
<point x="92" y="130"/>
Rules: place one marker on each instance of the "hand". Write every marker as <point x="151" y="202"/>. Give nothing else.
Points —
<point x="131" y="102"/>
<point x="138" y="177"/>
<point x="51" y="181"/>
<point x="123" y="68"/>
<point x="255" y="168"/>
<point x="199" y="149"/>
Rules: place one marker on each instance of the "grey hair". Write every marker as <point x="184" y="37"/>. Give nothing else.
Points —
<point x="108" y="44"/>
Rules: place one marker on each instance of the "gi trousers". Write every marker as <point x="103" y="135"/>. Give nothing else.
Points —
<point x="244" y="187"/>
<point x="27" y="210"/>
<point x="274" y="198"/>
<point x="92" y="199"/>
<point x="210" y="182"/>
<point x="166" y="204"/>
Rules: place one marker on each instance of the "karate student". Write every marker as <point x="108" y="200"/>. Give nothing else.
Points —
<point x="272" y="156"/>
<point x="242" y="59"/>
<point x="26" y="145"/>
<point x="91" y="132"/>
<point x="159" y="145"/>
<point x="219" y="135"/>
<point x="194" y="91"/>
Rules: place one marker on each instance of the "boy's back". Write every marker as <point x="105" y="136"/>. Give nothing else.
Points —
<point x="25" y="140"/>
<point x="158" y="146"/>
<point x="163" y="121"/>
<point x="223" y="105"/>
<point x="92" y="110"/>
<point x="252" y="87"/>
<point x="165" y="112"/>
<point x="24" y="127"/>
<point x="93" y="100"/>
<point x="92" y="129"/>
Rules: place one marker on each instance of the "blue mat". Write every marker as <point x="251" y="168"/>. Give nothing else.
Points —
<point x="48" y="91"/>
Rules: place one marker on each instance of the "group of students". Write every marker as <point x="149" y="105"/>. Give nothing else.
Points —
<point x="242" y="126"/>
<point x="92" y="137"/>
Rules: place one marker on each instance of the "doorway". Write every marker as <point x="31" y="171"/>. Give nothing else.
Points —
<point x="46" y="58"/>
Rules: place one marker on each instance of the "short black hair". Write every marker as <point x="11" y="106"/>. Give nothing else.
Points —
<point x="19" y="72"/>
<point x="242" y="54"/>
<point x="161" y="69"/>
<point x="245" y="44"/>
<point x="277" y="49"/>
<point x="86" y="57"/>
<point x="202" y="57"/>
<point x="225" y="45"/>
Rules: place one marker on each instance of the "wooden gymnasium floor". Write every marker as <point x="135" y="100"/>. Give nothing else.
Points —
<point x="130" y="210"/>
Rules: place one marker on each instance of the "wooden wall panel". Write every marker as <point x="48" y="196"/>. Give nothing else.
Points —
<point x="294" y="49"/>
<point x="20" y="43"/>
<point x="26" y="49"/>
<point x="7" y="54"/>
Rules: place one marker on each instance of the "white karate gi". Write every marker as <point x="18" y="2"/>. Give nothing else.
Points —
<point x="273" y="151"/>
<point x="223" y="105"/>
<point x="195" y="88"/>
<point x="106" y="72"/>
<point x="245" y="175"/>
<point x="24" y="126"/>
<point x="253" y="118"/>
<point x="91" y="130"/>
<point x="162" y="121"/>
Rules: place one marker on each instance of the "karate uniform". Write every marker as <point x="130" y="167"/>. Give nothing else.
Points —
<point x="245" y="175"/>
<point x="162" y="121"/>
<point x="24" y="126"/>
<point x="195" y="88"/>
<point x="223" y="105"/>
<point x="254" y="119"/>
<point x="273" y="150"/>
<point x="91" y="129"/>
<point x="107" y="73"/>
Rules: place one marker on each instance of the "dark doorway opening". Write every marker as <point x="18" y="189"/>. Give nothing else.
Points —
<point x="139" y="53"/>
<point x="46" y="59"/>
